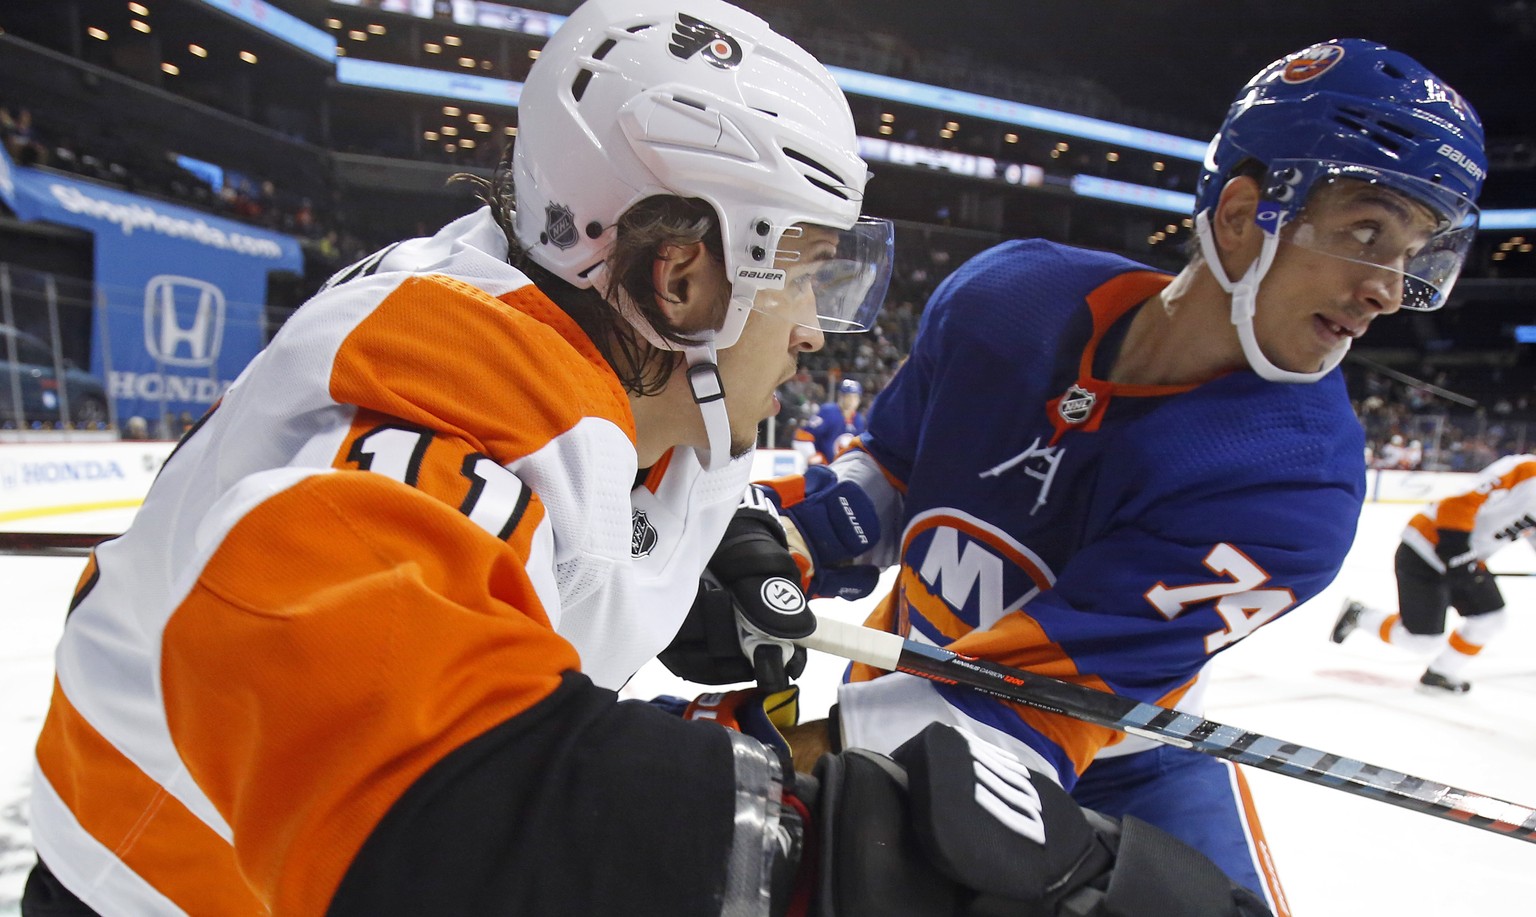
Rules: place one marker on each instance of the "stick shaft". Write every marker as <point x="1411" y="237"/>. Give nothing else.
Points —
<point x="891" y="652"/>
<point x="65" y="543"/>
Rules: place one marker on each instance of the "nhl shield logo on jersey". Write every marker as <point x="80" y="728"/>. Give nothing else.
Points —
<point x="692" y="35"/>
<point x="1076" y="405"/>
<point x="1312" y="63"/>
<point x="559" y="226"/>
<point x="642" y="538"/>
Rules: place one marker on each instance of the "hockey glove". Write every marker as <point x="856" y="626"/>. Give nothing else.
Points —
<point x="950" y="825"/>
<point x="754" y="712"/>
<point x="1454" y="548"/>
<point x="748" y="609"/>
<point x="828" y="523"/>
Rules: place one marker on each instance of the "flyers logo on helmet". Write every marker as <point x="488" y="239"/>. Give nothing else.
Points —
<point x="1312" y="63"/>
<point x="692" y="34"/>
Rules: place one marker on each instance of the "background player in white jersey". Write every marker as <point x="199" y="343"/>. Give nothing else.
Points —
<point x="1152" y="467"/>
<point x="357" y="653"/>
<point x="1442" y="563"/>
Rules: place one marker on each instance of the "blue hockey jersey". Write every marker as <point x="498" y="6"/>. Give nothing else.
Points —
<point x="830" y="431"/>
<point x="1112" y="535"/>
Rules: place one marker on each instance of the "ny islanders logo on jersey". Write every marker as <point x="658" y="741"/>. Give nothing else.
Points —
<point x="1312" y="63"/>
<point x="960" y="572"/>
<point x="692" y="35"/>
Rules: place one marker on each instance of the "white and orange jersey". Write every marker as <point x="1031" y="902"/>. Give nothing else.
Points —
<point x="405" y="520"/>
<point x="1498" y="511"/>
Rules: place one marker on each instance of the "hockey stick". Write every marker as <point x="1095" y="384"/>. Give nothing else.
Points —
<point x="893" y="653"/>
<point x="51" y="543"/>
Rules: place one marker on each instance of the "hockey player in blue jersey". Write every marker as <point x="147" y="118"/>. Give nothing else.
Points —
<point x="835" y="426"/>
<point x="1153" y="466"/>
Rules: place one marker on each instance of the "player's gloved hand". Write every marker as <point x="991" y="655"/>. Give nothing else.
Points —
<point x="949" y="825"/>
<point x="1454" y="548"/>
<point x="755" y="712"/>
<point x="748" y="609"/>
<point x="828" y="523"/>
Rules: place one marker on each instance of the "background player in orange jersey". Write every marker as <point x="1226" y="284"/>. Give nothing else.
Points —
<point x="1441" y="564"/>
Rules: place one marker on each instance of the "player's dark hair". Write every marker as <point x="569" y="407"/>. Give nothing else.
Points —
<point x="640" y="233"/>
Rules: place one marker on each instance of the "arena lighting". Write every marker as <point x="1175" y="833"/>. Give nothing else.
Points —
<point x="98" y="34"/>
<point x="954" y="101"/>
<point x="1508" y="219"/>
<point x="875" y="149"/>
<point x="488" y="15"/>
<point x="442" y="84"/>
<point x="1121" y="192"/>
<point x="491" y="91"/>
<point x="285" y="27"/>
<point x="138" y="9"/>
<point x="198" y="50"/>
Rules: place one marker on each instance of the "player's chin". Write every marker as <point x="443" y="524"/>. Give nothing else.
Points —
<point x="741" y="445"/>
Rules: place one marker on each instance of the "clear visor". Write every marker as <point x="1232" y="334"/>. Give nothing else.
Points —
<point x="833" y="279"/>
<point x="1416" y="233"/>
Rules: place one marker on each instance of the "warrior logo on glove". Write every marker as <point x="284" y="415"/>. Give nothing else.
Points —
<point x="782" y="596"/>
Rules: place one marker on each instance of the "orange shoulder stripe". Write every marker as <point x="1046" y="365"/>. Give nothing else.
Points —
<point x="443" y="355"/>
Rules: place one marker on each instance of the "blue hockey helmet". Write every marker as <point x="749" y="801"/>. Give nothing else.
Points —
<point x="1353" y="103"/>
<point x="1343" y="111"/>
<point x="850" y="387"/>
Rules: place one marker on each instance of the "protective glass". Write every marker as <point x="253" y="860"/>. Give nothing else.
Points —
<point x="834" y="279"/>
<point x="1417" y="231"/>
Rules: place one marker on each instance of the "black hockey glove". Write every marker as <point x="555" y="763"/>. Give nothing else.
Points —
<point x="953" y="826"/>
<point x="1454" y="548"/>
<point x="748" y="608"/>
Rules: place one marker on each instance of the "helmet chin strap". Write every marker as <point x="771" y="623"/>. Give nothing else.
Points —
<point x="704" y="381"/>
<point x="709" y="395"/>
<point x="1245" y="292"/>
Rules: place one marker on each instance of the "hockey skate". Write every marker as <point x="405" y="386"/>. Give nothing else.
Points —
<point x="1434" y="682"/>
<point x="1349" y="619"/>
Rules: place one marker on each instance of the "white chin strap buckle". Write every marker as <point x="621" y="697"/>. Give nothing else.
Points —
<point x="709" y="394"/>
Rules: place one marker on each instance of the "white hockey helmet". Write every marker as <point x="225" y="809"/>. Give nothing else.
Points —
<point x="698" y="99"/>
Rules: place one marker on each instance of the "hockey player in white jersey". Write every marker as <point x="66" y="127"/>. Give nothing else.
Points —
<point x="1442" y="563"/>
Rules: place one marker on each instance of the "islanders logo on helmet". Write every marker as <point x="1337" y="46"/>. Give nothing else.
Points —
<point x="692" y="34"/>
<point x="1311" y="63"/>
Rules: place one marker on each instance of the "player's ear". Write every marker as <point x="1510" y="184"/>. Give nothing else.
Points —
<point x="689" y="283"/>
<point x="1238" y="238"/>
<point x="1233" y="222"/>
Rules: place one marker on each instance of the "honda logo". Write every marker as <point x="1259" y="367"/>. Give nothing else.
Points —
<point x="183" y="320"/>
